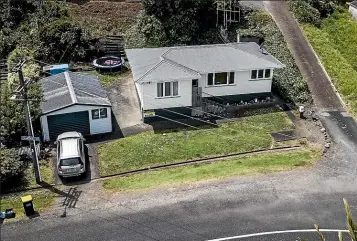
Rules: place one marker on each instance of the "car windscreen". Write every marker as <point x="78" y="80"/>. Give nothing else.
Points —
<point x="71" y="161"/>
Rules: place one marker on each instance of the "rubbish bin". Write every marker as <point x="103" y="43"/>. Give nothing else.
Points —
<point x="28" y="205"/>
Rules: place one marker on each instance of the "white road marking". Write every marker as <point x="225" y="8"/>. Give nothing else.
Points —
<point x="277" y="232"/>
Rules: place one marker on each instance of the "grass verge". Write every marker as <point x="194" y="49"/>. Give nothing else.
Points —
<point x="149" y="148"/>
<point x="42" y="200"/>
<point x="248" y="165"/>
<point x="343" y="75"/>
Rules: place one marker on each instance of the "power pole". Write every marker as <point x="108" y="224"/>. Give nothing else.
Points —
<point x="23" y="90"/>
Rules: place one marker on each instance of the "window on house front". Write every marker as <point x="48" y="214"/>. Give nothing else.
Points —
<point x="231" y="78"/>
<point x="220" y="78"/>
<point x="223" y="78"/>
<point x="210" y="79"/>
<point x="267" y="73"/>
<point x="167" y="89"/>
<point x="254" y="74"/>
<point x="99" y="113"/>
<point x="160" y="89"/>
<point x="175" y="88"/>
<point x="260" y="74"/>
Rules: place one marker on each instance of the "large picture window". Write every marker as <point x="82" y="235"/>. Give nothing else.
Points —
<point x="223" y="78"/>
<point x="257" y="74"/>
<point x="167" y="89"/>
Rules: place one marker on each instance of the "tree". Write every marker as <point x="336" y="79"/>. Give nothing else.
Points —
<point x="12" y="119"/>
<point x="62" y="40"/>
<point x="180" y="21"/>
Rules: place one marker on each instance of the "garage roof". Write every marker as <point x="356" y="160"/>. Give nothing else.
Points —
<point x="69" y="88"/>
<point x="188" y="62"/>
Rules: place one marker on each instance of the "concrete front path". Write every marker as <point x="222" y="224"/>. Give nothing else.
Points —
<point x="125" y="107"/>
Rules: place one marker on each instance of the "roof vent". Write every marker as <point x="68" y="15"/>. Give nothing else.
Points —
<point x="262" y="49"/>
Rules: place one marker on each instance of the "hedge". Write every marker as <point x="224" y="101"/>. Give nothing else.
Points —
<point x="287" y="81"/>
<point x="304" y="12"/>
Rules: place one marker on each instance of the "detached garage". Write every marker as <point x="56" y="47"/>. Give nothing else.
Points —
<point x="74" y="102"/>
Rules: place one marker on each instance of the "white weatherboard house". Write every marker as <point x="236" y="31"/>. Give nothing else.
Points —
<point x="353" y="8"/>
<point x="74" y="102"/>
<point x="173" y="77"/>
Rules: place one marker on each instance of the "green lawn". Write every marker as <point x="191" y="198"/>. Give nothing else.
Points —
<point x="42" y="200"/>
<point x="249" y="165"/>
<point x="47" y="174"/>
<point x="336" y="45"/>
<point x="148" y="149"/>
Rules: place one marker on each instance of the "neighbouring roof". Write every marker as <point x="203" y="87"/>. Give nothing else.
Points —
<point x="354" y="4"/>
<point x="68" y="88"/>
<point x="189" y="62"/>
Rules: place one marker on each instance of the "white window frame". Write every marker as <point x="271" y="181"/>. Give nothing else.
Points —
<point x="264" y="72"/>
<point x="171" y="89"/>
<point x="214" y="79"/>
<point x="99" y="115"/>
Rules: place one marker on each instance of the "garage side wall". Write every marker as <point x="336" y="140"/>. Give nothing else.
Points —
<point x="97" y="126"/>
<point x="44" y="125"/>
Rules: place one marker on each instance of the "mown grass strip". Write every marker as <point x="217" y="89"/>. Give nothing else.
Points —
<point x="248" y="165"/>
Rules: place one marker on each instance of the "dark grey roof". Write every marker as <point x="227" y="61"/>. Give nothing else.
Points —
<point x="68" y="88"/>
<point x="354" y="4"/>
<point x="188" y="62"/>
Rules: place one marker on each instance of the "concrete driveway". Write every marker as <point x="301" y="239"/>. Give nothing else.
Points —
<point x="92" y="168"/>
<point x="125" y="107"/>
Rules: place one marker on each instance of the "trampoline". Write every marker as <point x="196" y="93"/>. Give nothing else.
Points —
<point x="109" y="64"/>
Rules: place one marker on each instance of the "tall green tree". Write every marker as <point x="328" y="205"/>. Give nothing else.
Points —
<point x="179" y="21"/>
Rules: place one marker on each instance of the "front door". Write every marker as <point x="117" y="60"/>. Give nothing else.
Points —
<point x="196" y="94"/>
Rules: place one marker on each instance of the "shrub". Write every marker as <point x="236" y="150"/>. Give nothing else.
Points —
<point x="10" y="164"/>
<point x="62" y="40"/>
<point x="304" y="12"/>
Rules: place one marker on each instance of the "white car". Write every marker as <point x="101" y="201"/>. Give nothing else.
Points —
<point x="70" y="154"/>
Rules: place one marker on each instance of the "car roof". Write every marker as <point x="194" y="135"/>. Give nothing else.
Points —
<point x="71" y="134"/>
<point x="69" y="148"/>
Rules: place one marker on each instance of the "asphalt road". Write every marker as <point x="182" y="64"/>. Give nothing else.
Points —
<point x="288" y="201"/>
